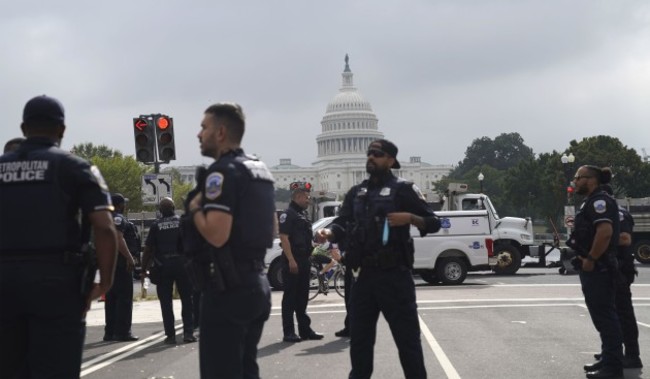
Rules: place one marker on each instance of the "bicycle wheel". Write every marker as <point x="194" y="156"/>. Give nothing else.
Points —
<point x="339" y="281"/>
<point x="314" y="281"/>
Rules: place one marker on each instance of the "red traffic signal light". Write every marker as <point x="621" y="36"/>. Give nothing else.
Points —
<point x="165" y="138"/>
<point x="143" y="134"/>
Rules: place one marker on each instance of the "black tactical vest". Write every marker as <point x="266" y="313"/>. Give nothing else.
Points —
<point x="38" y="175"/>
<point x="252" y="231"/>
<point x="168" y="235"/>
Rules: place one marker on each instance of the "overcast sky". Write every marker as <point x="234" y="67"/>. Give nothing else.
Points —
<point x="438" y="74"/>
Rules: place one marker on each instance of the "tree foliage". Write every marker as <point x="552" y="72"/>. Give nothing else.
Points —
<point x="505" y="151"/>
<point x="88" y="151"/>
<point x="522" y="185"/>
<point x="121" y="173"/>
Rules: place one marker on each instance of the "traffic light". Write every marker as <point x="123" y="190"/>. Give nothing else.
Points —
<point x="569" y="194"/>
<point x="165" y="137"/>
<point x="145" y="142"/>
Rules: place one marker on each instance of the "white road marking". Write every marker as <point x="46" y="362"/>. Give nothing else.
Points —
<point x="113" y="356"/>
<point x="444" y="361"/>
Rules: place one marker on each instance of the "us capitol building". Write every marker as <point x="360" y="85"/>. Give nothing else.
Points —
<point x="347" y="128"/>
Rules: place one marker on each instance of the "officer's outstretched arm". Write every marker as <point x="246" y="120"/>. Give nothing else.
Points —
<point x="214" y="226"/>
<point x="106" y="247"/>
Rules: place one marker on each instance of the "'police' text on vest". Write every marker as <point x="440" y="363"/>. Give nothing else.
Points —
<point x="23" y="171"/>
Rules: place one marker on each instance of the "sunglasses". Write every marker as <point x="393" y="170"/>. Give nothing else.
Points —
<point x="578" y="177"/>
<point x="376" y="153"/>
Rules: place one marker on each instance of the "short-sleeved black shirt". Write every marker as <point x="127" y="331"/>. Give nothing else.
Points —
<point x="294" y="223"/>
<point x="50" y="187"/>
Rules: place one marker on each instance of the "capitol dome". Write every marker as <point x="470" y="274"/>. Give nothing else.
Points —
<point x="348" y="100"/>
<point x="349" y="124"/>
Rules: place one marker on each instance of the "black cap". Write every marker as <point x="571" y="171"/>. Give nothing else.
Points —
<point x="118" y="198"/>
<point x="387" y="147"/>
<point x="44" y="108"/>
<point x="300" y="186"/>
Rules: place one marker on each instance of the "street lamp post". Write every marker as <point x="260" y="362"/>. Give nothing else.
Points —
<point x="480" y="180"/>
<point x="569" y="210"/>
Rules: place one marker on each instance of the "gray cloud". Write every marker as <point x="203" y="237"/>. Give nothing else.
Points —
<point x="438" y="74"/>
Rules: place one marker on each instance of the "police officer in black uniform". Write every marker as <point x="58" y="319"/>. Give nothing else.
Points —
<point x="624" y="306"/>
<point x="375" y="218"/>
<point x="164" y="248"/>
<point x="235" y="214"/>
<point x="45" y="280"/>
<point x="118" y="310"/>
<point x="296" y="241"/>
<point x="134" y="243"/>
<point x="595" y="239"/>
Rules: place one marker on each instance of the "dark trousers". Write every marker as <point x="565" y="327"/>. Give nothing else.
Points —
<point x="391" y="292"/>
<point x="173" y="271"/>
<point x="231" y="327"/>
<point x="196" y="308"/>
<point x="296" y="297"/>
<point x="625" y="310"/>
<point x="599" y="291"/>
<point x="41" y="326"/>
<point x="118" y="310"/>
<point x="347" y="283"/>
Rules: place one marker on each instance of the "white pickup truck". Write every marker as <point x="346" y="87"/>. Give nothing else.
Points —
<point x="444" y="257"/>
<point x="512" y="236"/>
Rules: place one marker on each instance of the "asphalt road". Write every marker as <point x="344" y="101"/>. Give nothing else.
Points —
<point x="530" y="325"/>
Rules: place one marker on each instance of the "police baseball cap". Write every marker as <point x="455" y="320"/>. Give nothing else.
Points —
<point x="387" y="147"/>
<point x="44" y="108"/>
<point x="300" y="186"/>
<point x="118" y="198"/>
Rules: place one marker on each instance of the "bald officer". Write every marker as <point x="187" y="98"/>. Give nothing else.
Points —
<point x="43" y="302"/>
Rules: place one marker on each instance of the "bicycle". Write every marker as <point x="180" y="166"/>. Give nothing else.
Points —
<point x="321" y="283"/>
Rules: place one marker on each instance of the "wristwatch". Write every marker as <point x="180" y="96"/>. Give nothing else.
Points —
<point x="590" y="258"/>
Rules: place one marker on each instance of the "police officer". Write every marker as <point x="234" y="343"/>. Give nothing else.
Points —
<point x="134" y="244"/>
<point x="43" y="300"/>
<point x="595" y="239"/>
<point x="13" y="144"/>
<point x="234" y="213"/>
<point x="375" y="219"/>
<point x="296" y="241"/>
<point x="624" y="306"/>
<point x="118" y="310"/>
<point x="163" y="245"/>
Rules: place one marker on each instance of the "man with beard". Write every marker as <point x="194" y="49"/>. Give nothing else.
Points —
<point x="375" y="221"/>
<point x="595" y="238"/>
<point x="234" y="213"/>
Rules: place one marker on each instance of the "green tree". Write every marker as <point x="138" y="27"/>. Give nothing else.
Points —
<point x="88" y="151"/>
<point x="122" y="174"/>
<point x="631" y="174"/>
<point x="505" y="151"/>
<point x="179" y="189"/>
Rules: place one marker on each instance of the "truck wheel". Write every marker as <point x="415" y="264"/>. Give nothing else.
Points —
<point x="642" y="251"/>
<point x="275" y="275"/>
<point x="451" y="270"/>
<point x="508" y="259"/>
<point x="429" y="276"/>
